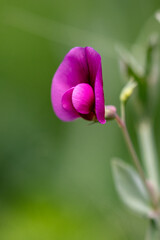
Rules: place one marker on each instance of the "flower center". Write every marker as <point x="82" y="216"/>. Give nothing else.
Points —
<point x="83" y="98"/>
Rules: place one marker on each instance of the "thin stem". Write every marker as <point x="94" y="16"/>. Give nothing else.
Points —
<point x="130" y="146"/>
<point x="123" y="114"/>
<point x="135" y="157"/>
<point x="148" y="151"/>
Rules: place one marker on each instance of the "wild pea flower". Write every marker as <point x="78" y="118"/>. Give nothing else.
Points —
<point x="77" y="91"/>
<point x="77" y="86"/>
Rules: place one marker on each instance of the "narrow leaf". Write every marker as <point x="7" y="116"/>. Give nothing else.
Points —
<point x="130" y="188"/>
<point x="129" y="66"/>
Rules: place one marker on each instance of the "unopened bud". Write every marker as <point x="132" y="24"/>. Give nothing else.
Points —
<point x="110" y="112"/>
<point x="127" y="91"/>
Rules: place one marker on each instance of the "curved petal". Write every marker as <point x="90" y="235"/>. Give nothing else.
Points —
<point x="96" y="81"/>
<point x="67" y="100"/>
<point x="72" y="71"/>
<point x="83" y="98"/>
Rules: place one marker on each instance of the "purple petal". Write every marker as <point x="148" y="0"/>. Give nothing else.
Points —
<point x="83" y="98"/>
<point x="80" y="65"/>
<point x="96" y="81"/>
<point x="72" y="71"/>
<point x="67" y="100"/>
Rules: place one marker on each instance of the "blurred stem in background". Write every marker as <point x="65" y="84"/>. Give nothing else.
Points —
<point x="145" y="102"/>
<point x="136" y="161"/>
<point x="148" y="151"/>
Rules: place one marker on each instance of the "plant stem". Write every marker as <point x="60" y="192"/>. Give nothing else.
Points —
<point x="148" y="152"/>
<point x="135" y="158"/>
<point x="131" y="148"/>
<point x="123" y="114"/>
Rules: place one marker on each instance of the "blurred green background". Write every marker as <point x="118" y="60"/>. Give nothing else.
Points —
<point x="55" y="177"/>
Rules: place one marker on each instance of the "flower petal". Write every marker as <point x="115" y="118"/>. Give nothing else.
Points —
<point x="96" y="81"/>
<point x="72" y="71"/>
<point x="83" y="98"/>
<point x="67" y="100"/>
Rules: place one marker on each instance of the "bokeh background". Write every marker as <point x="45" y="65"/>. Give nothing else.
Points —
<point x="55" y="177"/>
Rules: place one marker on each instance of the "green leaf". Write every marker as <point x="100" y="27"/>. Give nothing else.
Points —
<point x="152" y="57"/>
<point x="129" y="66"/>
<point x="130" y="188"/>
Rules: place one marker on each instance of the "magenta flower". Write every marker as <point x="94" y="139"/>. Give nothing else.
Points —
<point x="77" y="86"/>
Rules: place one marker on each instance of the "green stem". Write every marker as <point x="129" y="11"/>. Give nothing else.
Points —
<point x="135" y="159"/>
<point x="148" y="152"/>
<point x="130" y="147"/>
<point x="123" y="114"/>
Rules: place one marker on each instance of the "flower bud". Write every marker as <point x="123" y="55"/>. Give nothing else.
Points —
<point x="110" y="112"/>
<point x="127" y="90"/>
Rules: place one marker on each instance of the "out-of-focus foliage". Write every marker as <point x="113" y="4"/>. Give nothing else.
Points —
<point x="55" y="177"/>
<point x="130" y="188"/>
